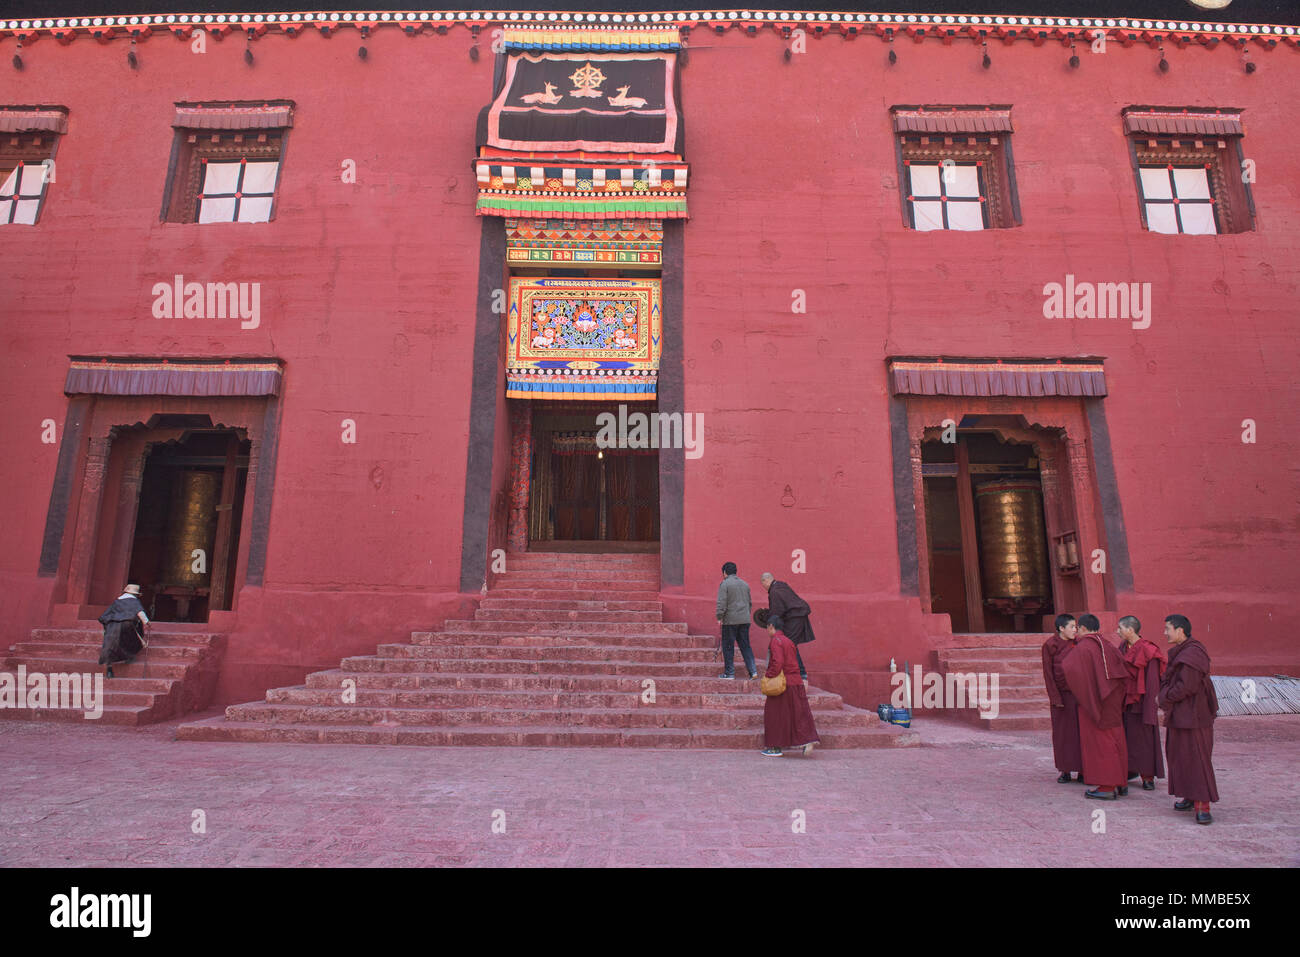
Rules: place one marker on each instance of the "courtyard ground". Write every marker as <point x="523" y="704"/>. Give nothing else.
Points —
<point x="83" y="795"/>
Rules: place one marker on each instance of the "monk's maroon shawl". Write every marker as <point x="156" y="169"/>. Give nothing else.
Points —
<point x="1097" y="677"/>
<point x="1136" y="658"/>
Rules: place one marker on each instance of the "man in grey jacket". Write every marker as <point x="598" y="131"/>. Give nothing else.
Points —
<point x="733" y="615"/>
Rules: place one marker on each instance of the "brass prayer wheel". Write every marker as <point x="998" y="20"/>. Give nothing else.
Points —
<point x="1013" y="558"/>
<point x="192" y="524"/>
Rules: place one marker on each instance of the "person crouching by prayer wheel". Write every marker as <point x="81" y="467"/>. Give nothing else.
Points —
<point x="787" y="718"/>
<point x="1096" y="675"/>
<point x="1187" y="697"/>
<point x="124" y="623"/>
<point x="1145" y="661"/>
<point x="1065" y="706"/>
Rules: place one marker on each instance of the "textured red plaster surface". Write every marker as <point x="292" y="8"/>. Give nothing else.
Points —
<point x="368" y="294"/>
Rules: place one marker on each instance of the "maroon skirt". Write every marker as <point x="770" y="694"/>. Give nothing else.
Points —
<point x="1143" y="744"/>
<point x="1191" y="772"/>
<point x="788" y="720"/>
<point x="1065" y="735"/>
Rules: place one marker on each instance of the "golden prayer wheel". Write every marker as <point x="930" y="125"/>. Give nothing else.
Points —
<point x="192" y="524"/>
<point x="1014" y="553"/>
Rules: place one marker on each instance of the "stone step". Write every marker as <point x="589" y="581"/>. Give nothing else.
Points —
<point x="1011" y="722"/>
<point x="576" y="594"/>
<point x="1005" y="708"/>
<point x="510" y="627"/>
<point x="992" y="665"/>
<point x="532" y="666"/>
<point x="675" y="641"/>
<point x="492" y="603"/>
<point x="1014" y="639"/>
<point x="646" y="716"/>
<point x="506" y="699"/>
<point x="409" y="681"/>
<point x="114" y="714"/>
<point x="649" y="560"/>
<point x="221" y="729"/>
<point x="559" y="615"/>
<point x="165" y="668"/>
<point x="95" y="636"/>
<point x="541" y="581"/>
<point x="596" y="573"/>
<point x="90" y="652"/>
<point x="551" y="651"/>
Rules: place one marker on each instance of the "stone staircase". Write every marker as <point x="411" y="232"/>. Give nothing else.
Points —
<point x="176" y="675"/>
<point x="1017" y="660"/>
<point x="565" y="650"/>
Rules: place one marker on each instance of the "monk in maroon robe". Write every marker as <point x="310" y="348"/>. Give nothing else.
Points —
<point x="1187" y="697"/>
<point x="1065" y="707"/>
<point x="1145" y="662"/>
<point x="1096" y="675"/>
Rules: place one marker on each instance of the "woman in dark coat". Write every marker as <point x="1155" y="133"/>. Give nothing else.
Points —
<point x="123" y="629"/>
<point x="787" y="718"/>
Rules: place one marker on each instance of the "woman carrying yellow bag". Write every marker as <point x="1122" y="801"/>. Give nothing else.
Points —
<point x="787" y="718"/>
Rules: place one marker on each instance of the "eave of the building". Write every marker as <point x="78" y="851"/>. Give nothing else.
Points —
<point x="919" y="26"/>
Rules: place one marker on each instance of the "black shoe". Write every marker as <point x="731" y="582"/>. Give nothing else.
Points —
<point x="1079" y="778"/>
<point x="1203" y="817"/>
<point x="726" y="677"/>
<point x="1122" y="790"/>
<point x="1101" y="795"/>
<point x="1064" y="778"/>
<point x="1184" y="805"/>
<point x="110" y="672"/>
<point x="1148" y="785"/>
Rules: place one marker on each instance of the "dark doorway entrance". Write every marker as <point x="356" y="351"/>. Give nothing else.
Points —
<point x="187" y="526"/>
<point x="986" y="529"/>
<point x="581" y="492"/>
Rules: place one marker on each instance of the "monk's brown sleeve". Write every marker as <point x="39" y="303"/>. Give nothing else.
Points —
<point x="1178" y="687"/>
<point x="1053" y="693"/>
<point x="776" y="604"/>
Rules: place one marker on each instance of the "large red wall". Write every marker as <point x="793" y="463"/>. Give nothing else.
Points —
<point x="369" y="294"/>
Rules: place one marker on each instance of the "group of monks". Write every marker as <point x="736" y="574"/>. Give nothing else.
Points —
<point x="1106" y="700"/>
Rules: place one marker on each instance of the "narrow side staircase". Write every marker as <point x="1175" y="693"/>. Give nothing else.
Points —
<point x="565" y="650"/>
<point x="176" y="675"/>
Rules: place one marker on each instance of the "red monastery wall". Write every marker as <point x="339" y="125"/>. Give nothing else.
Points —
<point x="795" y="187"/>
<point x="369" y="293"/>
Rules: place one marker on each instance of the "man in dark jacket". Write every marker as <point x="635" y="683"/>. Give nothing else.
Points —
<point x="1187" y="697"/>
<point x="782" y="602"/>
<point x="733" y="616"/>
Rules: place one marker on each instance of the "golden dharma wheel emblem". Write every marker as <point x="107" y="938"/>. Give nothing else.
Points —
<point x="1210" y="4"/>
